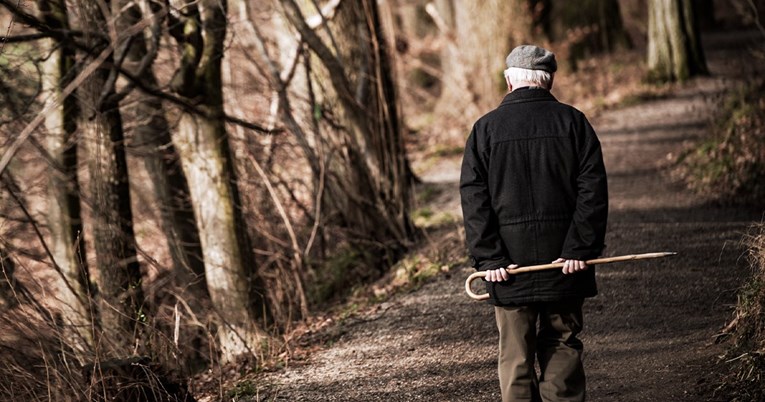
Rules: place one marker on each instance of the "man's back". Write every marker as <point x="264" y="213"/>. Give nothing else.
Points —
<point x="538" y="161"/>
<point x="533" y="164"/>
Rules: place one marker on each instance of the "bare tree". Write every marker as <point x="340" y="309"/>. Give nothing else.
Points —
<point x="674" y="46"/>
<point x="206" y="159"/>
<point x="153" y="143"/>
<point x="64" y="221"/>
<point x="476" y="36"/>
<point x="119" y="279"/>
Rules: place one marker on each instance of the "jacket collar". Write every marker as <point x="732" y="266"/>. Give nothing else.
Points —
<point x="527" y="94"/>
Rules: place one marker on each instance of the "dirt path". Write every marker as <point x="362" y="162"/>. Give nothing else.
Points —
<point x="648" y="335"/>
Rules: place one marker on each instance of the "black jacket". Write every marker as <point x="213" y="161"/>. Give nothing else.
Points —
<point x="533" y="188"/>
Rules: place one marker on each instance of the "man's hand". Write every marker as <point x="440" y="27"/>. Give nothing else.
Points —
<point x="571" y="266"/>
<point x="499" y="274"/>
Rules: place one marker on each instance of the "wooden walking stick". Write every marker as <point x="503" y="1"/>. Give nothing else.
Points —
<point x="533" y="268"/>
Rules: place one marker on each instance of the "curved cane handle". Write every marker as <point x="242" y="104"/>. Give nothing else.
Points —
<point x="468" y="282"/>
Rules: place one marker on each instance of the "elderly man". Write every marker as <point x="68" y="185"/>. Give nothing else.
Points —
<point x="533" y="188"/>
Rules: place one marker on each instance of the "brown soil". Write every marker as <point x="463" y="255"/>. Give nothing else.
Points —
<point x="649" y="334"/>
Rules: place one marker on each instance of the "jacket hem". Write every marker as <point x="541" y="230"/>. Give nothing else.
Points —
<point x="514" y="301"/>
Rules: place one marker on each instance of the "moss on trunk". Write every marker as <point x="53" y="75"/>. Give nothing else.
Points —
<point x="206" y="159"/>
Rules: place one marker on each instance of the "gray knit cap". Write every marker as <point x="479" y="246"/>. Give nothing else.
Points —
<point x="532" y="57"/>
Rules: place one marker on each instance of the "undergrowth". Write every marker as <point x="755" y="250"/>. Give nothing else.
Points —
<point x="745" y="361"/>
<point x="730" y="165"/>
<point x="43" y="359"/>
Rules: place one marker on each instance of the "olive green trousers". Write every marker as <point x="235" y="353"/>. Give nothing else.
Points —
<point x="545" y="332"/>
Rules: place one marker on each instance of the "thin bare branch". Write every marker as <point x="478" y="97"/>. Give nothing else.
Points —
<point x="756" y="16"/>
<point x="325" y="14"/>
<point x="36" y="36"/>
<point x="331" y="62"/>
<point x="297" y="255"/>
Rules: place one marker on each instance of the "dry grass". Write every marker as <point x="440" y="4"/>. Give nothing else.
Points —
<point x="730" y="165"/>
<point x="745" y="361"/>
<point x="43" y="357"/>
<point x="39" y="361"/>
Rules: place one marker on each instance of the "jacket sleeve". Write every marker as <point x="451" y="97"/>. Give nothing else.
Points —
<point x="586" y="235"/>
<point x="481" y="226"/>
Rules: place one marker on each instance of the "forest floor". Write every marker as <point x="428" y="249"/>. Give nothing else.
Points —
<point x="649" y="334"/>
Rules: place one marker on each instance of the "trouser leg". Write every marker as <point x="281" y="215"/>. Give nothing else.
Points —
<point x="517" y="333"/>
<point x="560" y="352"/>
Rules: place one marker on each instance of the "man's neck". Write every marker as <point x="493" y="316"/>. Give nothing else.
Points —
<point x="527" y="85"/>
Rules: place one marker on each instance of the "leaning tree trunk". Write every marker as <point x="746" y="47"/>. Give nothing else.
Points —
<point x="369" y="186"/>
<point x="64" y="221"/>
<point x="674" y="47"/>
<point x="153" y="143"/>
<point x="206" y="160"/>
<point x="119" y="279"/>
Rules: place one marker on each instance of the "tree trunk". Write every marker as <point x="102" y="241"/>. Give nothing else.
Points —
<point x="119" y="279"/>
<point x="153" y="143"/>
<point x="206" y="160"/>
<point x="674" y="47"/>
<point x="64" y="221"/>
<point x="475" y="44"/>
<point x="585" y="27"/>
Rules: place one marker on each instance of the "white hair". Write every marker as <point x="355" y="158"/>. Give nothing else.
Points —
<point x="522" y="75"/>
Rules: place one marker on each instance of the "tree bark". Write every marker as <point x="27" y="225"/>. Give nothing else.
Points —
<point x="64" y="221"/>
<point x="477" y="36"/>
<point x="674" y="46"/>
<point x="119" y="279"/>
<point x="585" y="27"/>
<point x="206" y="159"/>
<point x="153" y="143"/>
